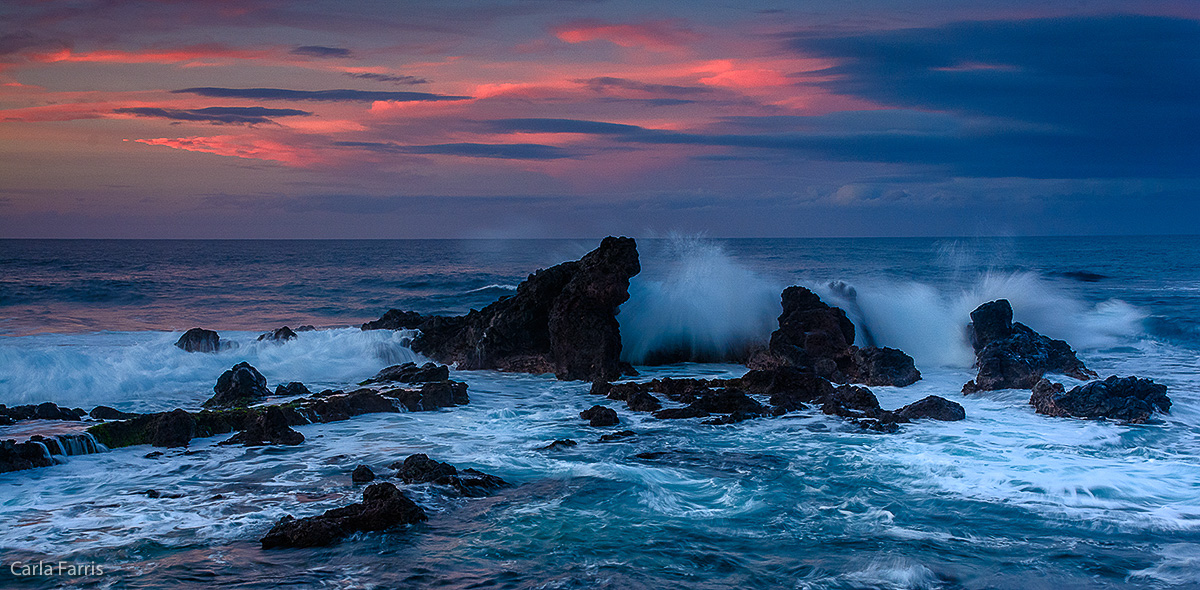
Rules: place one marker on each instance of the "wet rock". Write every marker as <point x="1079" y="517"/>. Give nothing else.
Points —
<point x="172" y="429"/>
<point x="600" y="416"/>
<point x="107" y="413"/>
<point x="362" y="474"/>
<point x="278" y="335"/>
<point x="790" y="388"/>
<point x="850" y="401"/>
<point x="432" y="395"/>
<point x="617" y="435"/>
<point x="732" y="418"/>
<point x="153" y="455"/>
<point x="383" y="507"/>
<point x="817" y="338"/>
<point x="267" y="428"/>
<point x="1131" y="399"/>
<point x="561" y="320"/>
<point x="565" y="443"/>
<point x="411" y="373"/>
<point x="680" y="413"/>
<point x="293" y="389"/>
<point x="420" y="468"/>
<point x="933" y="408"/>
<point x="1010" y="355"/>
<point x="155" y="494"/>
<point x="42" y="411"/>
<point x="728" y="401"/>
<point x="241" y="385"/>
<point x="199" y="340"/>
<point x="307" y="328"/>
<point x="643" y="402"/>
<point x="16" y="456"/>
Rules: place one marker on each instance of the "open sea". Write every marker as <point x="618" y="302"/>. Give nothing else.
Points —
<point x="1004" y="499"/>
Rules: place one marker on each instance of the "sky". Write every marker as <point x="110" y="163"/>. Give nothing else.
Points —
<point x="494" y="119"/>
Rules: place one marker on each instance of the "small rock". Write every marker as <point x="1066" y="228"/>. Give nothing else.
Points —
<point x="384" y="506"/>
<point x="362" y="474"/>
<point x="933" y="408"/>
<point x="279" y="335"/>
<point x="617" y="435"/>
<point x="559" y="444"/>
<point x="199" y="340"/>
<point x="293" y="389"/>
<point x="241" y="385"/>
<point x="107" y="413"/>
<point x="600" y="416"/>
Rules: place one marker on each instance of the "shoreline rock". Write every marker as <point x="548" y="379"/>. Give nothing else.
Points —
<point x="241" y="385"/>
<point x="561" y="320"/>
<point x="278" y="335"/>
<point x="1010" y="355"/>
<point x="199" y="340"/>
<point x="1131" y="399"/>
<point x="383" y="507"/>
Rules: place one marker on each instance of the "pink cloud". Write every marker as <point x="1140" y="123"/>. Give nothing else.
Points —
<point x="660" y="35"/>
<point x="241" y="146"/>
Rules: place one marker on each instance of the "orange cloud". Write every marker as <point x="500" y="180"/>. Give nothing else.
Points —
<point x="194" y="53"/>
<point x="659" y="35"/>
<point x="239" y="146"/>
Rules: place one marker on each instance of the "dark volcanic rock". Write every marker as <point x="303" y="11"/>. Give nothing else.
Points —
<point x="642" y="402"/>
<point x="383" y="507"/>
<point x="279" y="335"/>
<point x="565" y="443"/>
<point x="199" y="340"/>
<point x="1131" y="399"/>
<point x="816" y="338"/>
<point x="42" y="411"/>
<point x="617" y="435"/>
<point x="107" y="413"/>
<point x="680" y="413"/>
<point x="16" y="456"/>
<point x="933" y="408"/>
<point x="561" y="320"/>
<point x="295" y="388"/>
<point x="172" y="429"/>
<point x="432" y="395"/>
<point x="790" y="388"/>
<point x="240" y="386"/>
<point x="362" y="474"/>
<point x="728" y="401"/>
<point x="420" y="468"/>
<point x="1011" y="355"/>
<point x="394" y="319"/>
<point x="411" y="373"/>
<point x="268" y="428"/>
<point x="850" y="401"/>
<point x="884" y="366"/>
<point x="600" y="416"/>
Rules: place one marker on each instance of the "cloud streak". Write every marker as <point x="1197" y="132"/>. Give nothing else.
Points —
<point x="340" y="95"/>
<point x="215" y="115"/>
<point x="509" y="151"/>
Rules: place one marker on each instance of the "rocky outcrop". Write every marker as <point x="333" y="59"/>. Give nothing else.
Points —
<point x="199" y="340"/>
<point x="42" y="411"/>
<point x="240" y="386"/>
<point x="561" y="320"/>
<point x="383" y="507"/>
<point x="107" y="413"/>
<point x="419" y="469"/>
<point x="932" y="408"/>
<point x="267" y="428"/>
<point x="600" y="416"/>
<point x="278" y="335"/>
<point x="432" y="395"/>
<point x="411" y="373"/>
<point x="15" y="456"/>
<point x="362" y="474"/>
<point x="295" y="388"/>
<point x="1131" y="399"/>
<point x="1010" y="355"/>
<point x="817" y="338"/>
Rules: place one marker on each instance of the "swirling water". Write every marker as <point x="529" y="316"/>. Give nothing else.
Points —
<point x="1004" y="499"/>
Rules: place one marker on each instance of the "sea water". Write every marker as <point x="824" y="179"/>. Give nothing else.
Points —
<point x="1004" y="499"/>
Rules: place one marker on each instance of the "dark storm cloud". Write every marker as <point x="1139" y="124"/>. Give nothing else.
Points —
<point x="510" y="151"/>
<point x="321" y="51"/>
<point x="341" y="95"/>
<point x="388" y="78"/>
<point x="216" y="115"/>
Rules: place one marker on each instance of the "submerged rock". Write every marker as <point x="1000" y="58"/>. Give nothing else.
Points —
<point x="199" y="340"/>
<point x="617" y="435"/>
<point x="565" y="443"/>
<point x="240" y="386"/>
<point x="561" y="320"/>
<point x="1131" y="399"/>
<point x="600" y="416"/>
<point x="933" y="408"/>
<point x="419" y="468"/>
<point x="278" y="335"/>
<point x="383" y="507"/>
<point x="267" y="428"/>
<point x="1010" y="355"/>
<point x="411" y="373"/>
<point x="817" y="338"/>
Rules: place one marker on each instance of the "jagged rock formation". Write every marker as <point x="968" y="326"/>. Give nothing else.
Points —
<point x="561" y="320"/>
<point x="383" y="507"/>
<point x="410" y="373"/>
<point x="240" y="386"/>
<point x="419" y="469"/>
<point x="278" y="335"/>
<point x="818" y="338"/>
<point x="199" y="340"/>
<point x="1131" y="399"/>
<point x="1010" y="355"/>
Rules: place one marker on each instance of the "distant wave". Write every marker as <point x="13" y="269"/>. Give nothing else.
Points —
<point x="493" y="288"/>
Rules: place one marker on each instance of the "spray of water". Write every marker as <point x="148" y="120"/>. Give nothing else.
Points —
<point x="694" y="302"/>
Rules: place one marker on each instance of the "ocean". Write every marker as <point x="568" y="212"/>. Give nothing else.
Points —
<point x="1004" y="499"/>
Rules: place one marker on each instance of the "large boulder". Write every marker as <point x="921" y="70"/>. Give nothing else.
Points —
<point x="1131" y="399"/>
<point x="561" y="320"/>
<point x="199" y="340"/>
<point x="1010" y="355"/>
<point x="817" y="338"/>
<point x="600" y="416"/>
<point x="241" y="385"/>
<point x="383" y="507"/>
<point x="411" y="373"/>
<point x="932" y="408"/>
<point x="172" y="429"/>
